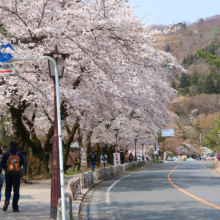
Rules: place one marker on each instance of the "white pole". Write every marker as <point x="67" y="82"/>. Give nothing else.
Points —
<point x="59" y="136"/>
<point x="200" y="139"/>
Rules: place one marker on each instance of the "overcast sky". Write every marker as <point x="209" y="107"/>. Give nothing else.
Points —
<point x="168" y="11"/>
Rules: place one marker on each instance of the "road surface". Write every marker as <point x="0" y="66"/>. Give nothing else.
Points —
<point x="168" y="191"/>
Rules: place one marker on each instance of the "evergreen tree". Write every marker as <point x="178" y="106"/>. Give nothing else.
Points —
<point x="209" y="85"/>
<point x="174" y="85"/>
<point x="194" y="78"/>
<point x="184" y="81"/>
<point x="200" y="85"/>
<point x="217" y="89"/>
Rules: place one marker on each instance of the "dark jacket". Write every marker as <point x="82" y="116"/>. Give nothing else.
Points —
<point x="6" y="156"/>
<point x="93" y="159"/>
<point x="122" y="159"/>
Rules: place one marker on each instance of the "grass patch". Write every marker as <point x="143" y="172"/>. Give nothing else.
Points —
<point x="71" y="172"/>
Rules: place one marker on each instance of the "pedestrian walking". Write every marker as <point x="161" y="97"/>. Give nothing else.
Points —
<point x="93" y="160"/>
<point x="103" y="159"/>
<point x="1" y="176"/>
<point x="13" y="163"/>
<point x="130" y="157"/>
<point x="122" y="158"/>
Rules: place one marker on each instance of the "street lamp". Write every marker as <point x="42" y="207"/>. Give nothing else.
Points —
<point x="56" y="181"/>
<point x="142" y="150"/>
<point x="116" y="137"/>
<point x="135" y="142"/>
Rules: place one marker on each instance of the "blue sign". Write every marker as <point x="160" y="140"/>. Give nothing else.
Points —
<point x="168" y="133"/>
<point x="5" y="57"/>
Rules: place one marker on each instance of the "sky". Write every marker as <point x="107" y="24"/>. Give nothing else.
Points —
<point x="169" y="11"/>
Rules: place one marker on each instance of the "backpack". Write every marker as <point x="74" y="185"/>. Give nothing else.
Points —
<point x="92" y="157"/>
<point x="104" y="158"/>
<point x="13" y="164"/>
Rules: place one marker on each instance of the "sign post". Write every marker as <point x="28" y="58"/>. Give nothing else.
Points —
<point x="117" y="161"/>
<point x="83" y="163"/>
<point x="167" y="133"/>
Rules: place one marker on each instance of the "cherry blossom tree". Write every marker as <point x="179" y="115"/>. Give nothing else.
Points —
<point x="114" y="76"/>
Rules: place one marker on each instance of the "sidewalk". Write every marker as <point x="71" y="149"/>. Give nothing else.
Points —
<point x="34" y="201"/>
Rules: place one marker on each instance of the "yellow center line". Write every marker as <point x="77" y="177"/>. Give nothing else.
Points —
<point x="189" y="194"/>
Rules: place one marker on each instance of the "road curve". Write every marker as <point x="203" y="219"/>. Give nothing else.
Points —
<point x="148" y="194"/>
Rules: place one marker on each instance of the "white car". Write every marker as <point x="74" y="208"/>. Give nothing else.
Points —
<point x="176" y="158"/>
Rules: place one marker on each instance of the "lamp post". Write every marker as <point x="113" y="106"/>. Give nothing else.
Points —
<point x="57" y="180"/>
<point x="116" y="137"/>
<point x="135" y="142"/>
<point x="142" y="150"/>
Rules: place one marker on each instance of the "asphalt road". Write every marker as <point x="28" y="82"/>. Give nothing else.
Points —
<point x="149" y="195"/>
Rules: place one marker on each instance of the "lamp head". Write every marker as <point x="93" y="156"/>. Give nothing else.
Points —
<point x="135" y="140"/>
<point x="116" y="131"/>
<point x="60" y="58"/>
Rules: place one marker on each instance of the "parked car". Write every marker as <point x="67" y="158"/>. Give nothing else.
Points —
<point x="176" y="158"/>
<point x="170" y="158"/>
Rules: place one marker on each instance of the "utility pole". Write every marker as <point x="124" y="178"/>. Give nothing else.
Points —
<point x="200" y="138"/>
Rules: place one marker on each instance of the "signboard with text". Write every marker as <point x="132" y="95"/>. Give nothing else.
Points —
<point x="117" y="161"/>
<point x="84" y="156"/>
<point x="168" y="133"/>
<point x="7" y="69"/>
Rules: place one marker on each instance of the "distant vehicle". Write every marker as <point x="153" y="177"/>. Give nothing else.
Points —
<point x="210" y="157"/>
<point x="169" y="158"/>
<point x="190" y="159"/>
<point x="176" y="158"/>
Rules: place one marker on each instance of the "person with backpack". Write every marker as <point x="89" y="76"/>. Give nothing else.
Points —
<point x="103" y="159"/>
<point x="1" y="175"/>
<point x="13" y="163"/>
<point x="93" y="160"/>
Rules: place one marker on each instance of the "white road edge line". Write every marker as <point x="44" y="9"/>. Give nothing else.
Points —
<point x="107" y="197"/>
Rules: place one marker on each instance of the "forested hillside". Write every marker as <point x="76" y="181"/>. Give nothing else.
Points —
<point x="197" y="106"/>
<point x="184" y="43"/>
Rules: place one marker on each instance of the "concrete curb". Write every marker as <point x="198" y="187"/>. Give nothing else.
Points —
<point x="77" y="217"/>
